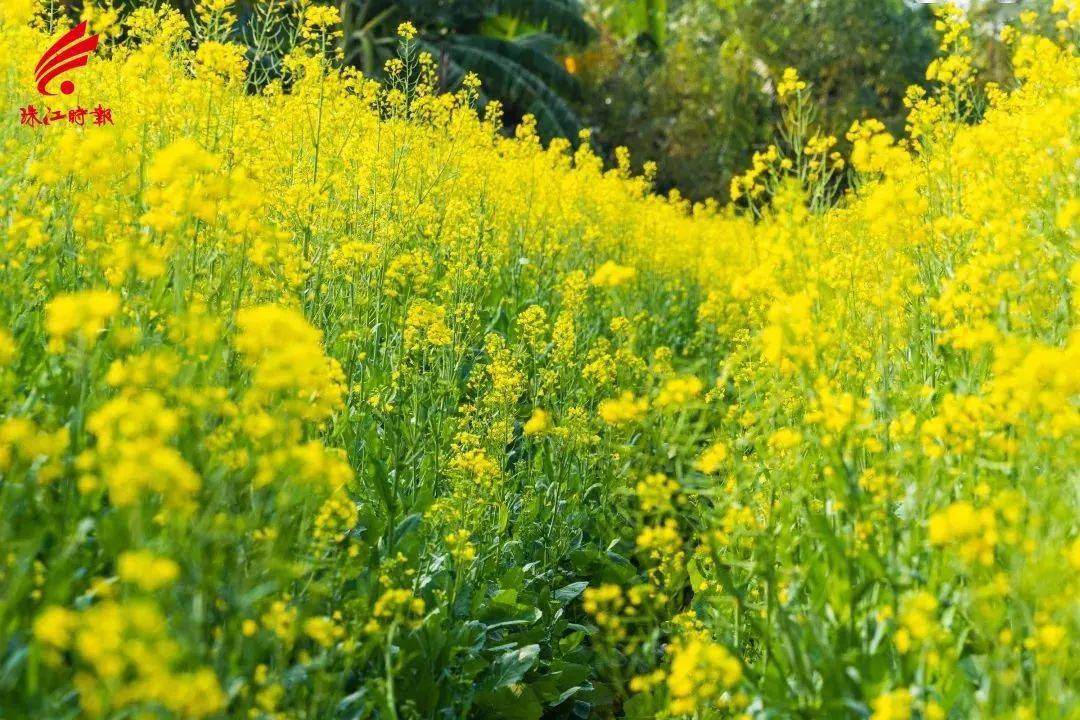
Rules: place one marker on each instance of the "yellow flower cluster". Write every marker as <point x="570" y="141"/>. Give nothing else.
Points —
<point x="312" y="391"/>
<point x="917" y="621"/>
<point x="656" y="493"/>
<point x="323" y="630"/>
<point x="713" y="458"/>
<point x="623" y="410"/>
<point x="679" y="391"/>
<point x="701" y="674"/>
<point x="290" y="371"/>
<point x="460" y="548"/>
<point x="23" y="441"/>
<point x="134" y="456"/>
<point x="147" y="570"/>
<point x="336" y="517"/>
<point x="895" y="705"/>
<point x="611" y="274"/>
<point x="129" y="658"/>
<point x="79" y="317"/>
<point x="790" y="83"/>
<point x="398" y="606"/>
<point x="537" y="423"/>
<point x="604" y="604"/>
<point x="425" y="326"/>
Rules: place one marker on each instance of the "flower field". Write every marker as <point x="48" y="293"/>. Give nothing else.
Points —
<point x="333" y="402"/>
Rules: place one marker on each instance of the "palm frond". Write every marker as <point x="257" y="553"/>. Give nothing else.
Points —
<point x="564" y="18"/>
<point x="517" y="85"/>
<point x="537" y="62"/>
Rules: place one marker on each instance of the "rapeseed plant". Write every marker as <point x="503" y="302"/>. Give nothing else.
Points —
<point x="324" y="399"/>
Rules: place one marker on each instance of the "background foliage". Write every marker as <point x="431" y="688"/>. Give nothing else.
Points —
<point x="687" y="84"/>
<point x="701" y="99"/>
<point x="332" y="400"/>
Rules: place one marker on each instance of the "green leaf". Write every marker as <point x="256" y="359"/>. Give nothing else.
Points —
<point x="517" y="703"/>
<point x="406" y="526"/>
<point x="568" y="592"/>
<point x="511" y="666"/>
<point x="564" y="18"/>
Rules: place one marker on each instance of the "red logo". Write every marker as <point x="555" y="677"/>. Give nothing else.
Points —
<point x="69" y="53"/>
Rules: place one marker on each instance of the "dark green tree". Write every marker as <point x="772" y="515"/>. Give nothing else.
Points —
<point x="860" y="56"/>
<point x="700" y="98"/>
<point x="512" y="45"/>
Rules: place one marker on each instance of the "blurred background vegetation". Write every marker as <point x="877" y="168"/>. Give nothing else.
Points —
<point x="700" y="96"/>
<point x="688" y="84"/>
